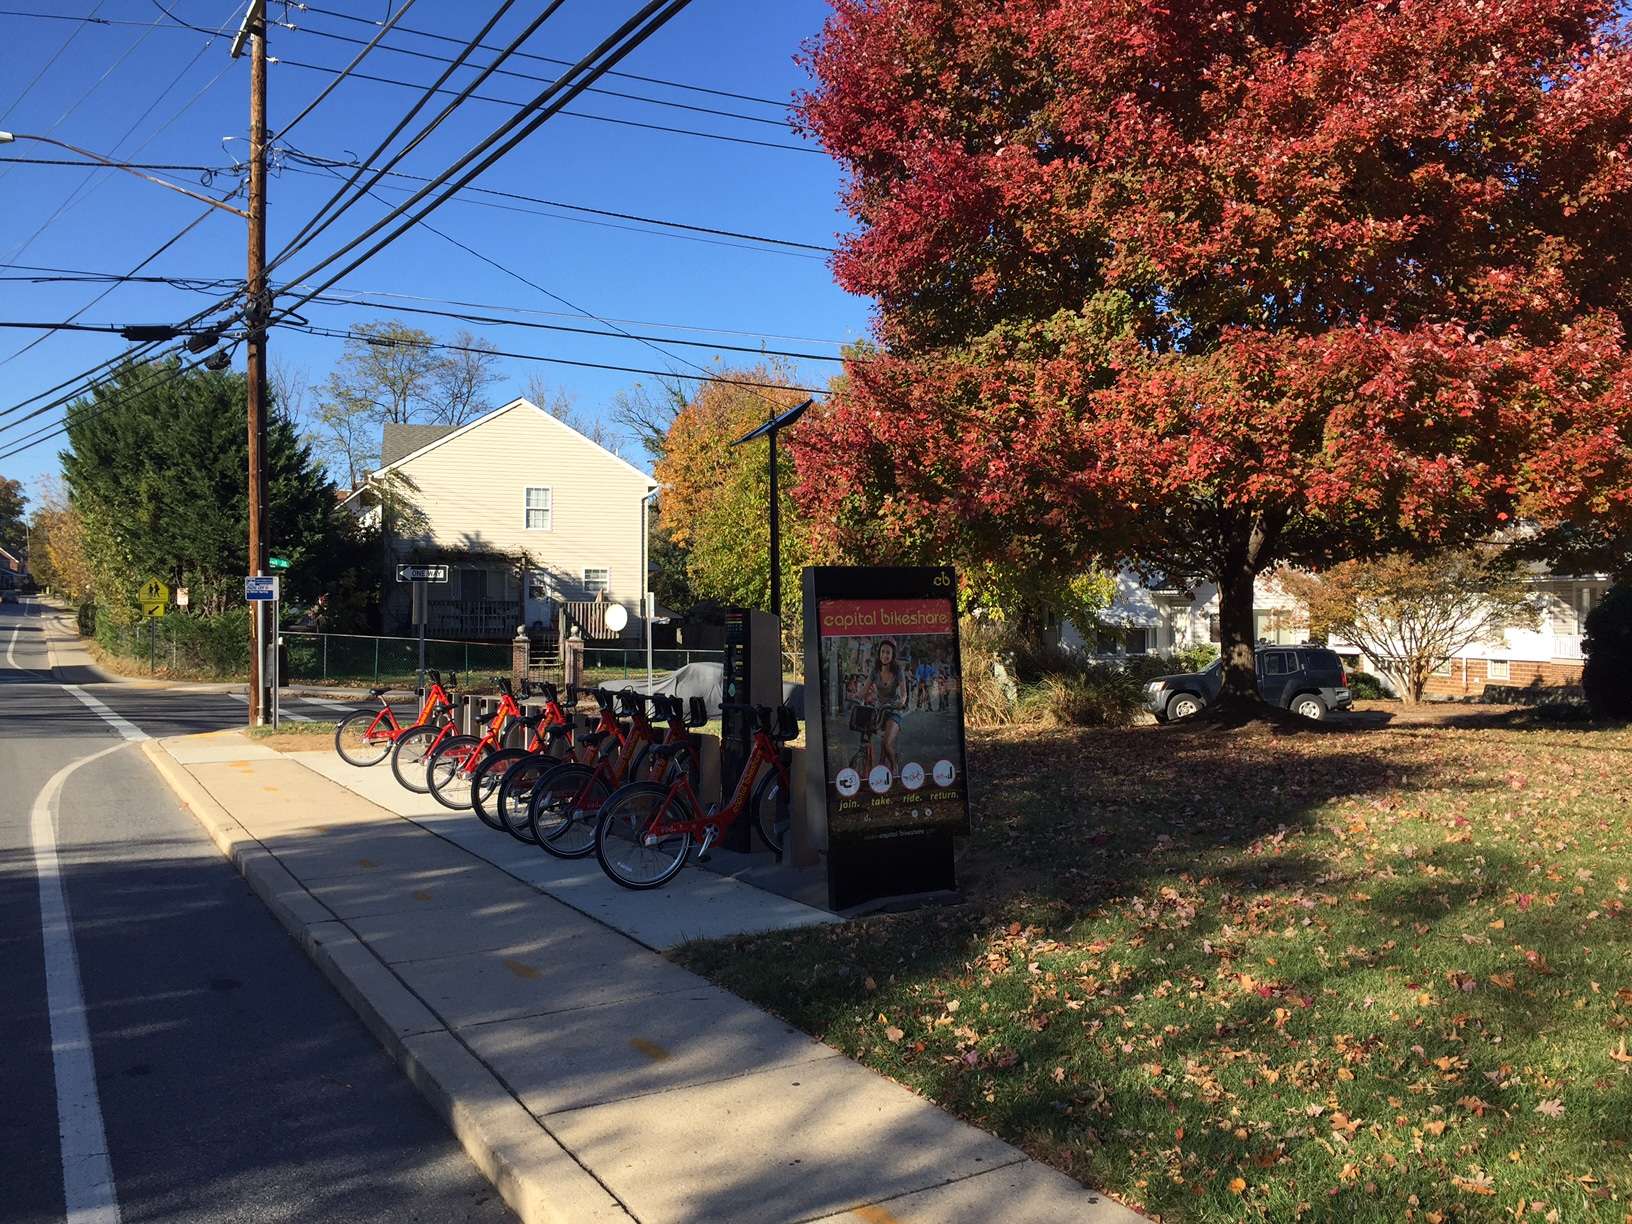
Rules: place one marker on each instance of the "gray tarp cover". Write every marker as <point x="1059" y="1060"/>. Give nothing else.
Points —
<point x="705" y="680"/>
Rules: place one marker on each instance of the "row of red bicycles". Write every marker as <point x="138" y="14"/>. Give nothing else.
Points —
<point x="624" y="791"/>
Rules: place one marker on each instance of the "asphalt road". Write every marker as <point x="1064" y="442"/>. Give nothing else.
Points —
<point x="219" y="1076"/>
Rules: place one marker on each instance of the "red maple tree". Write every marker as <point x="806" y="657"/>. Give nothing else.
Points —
<point x="1210" y="287"/>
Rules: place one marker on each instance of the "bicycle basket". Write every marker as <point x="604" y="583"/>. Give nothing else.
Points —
<point x="864" y="718"/>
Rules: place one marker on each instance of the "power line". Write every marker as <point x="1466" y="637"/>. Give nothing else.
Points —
<point x="528" y="76"/>
<point x="576" y="114"/>
<point x="189" y="167"/>
<point x="323" y="218"/>
<point x="344" y="72"/>
<point x="545" y="59"/>
<point x="79" y="28"/>
<point x="343" y="334"/>
<point x="647" y="20"/>
<point x="494" y="321"/>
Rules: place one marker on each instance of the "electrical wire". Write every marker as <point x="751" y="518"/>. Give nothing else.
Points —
<point x="344" y="334"/>
<point x="322" y="219"/>
<point x="346" y="71"/>
<point x="545" y="59"/>
<point x="576" y="114"/>
<point x="528" y="76"/>
<point x="651" y="17"/>
<point x="79" y="28"/>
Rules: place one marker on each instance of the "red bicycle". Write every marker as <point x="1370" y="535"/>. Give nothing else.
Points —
<point x="566" y="802"/>
<point x="365" y="738"/>
<point x="516" y="790"/>
<point x="645" y="830"/>
<point x="551" y="738"/>
<point x="451" y="764"/>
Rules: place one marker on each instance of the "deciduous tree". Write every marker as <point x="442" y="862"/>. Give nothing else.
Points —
<point x="13" y="528"/>
<point x="1409" y="615"/>
<point x="1216" y="288"/>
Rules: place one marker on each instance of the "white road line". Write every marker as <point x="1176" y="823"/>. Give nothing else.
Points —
<point x="124" y="726"/>
<point x="324" y="701"/>
<point x="283" y="712"/>
<point x="87" y="1176"/>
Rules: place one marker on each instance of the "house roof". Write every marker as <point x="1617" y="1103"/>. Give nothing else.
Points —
<point x="443" y="433"/>
<point x="400" y="441"/>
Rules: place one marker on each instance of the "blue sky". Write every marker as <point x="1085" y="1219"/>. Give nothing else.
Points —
<point x="109" y="75"/>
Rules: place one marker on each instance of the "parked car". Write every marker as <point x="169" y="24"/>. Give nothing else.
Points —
<point x="1308" y="680"/>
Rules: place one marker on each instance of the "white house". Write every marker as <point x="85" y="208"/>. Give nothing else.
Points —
<point x="527" y="512"/>
<point x="1157" y="617"/>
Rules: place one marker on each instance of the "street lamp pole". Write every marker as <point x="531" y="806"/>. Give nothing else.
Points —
<point x="9" y="137"/>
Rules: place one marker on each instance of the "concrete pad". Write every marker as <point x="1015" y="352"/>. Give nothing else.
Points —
<point x="468" y="887"/>
<point x="593" y="966"/>
<point x="620" y="1050"/>
<point x="535" y="1175"/>
<point x="280" y="794"/>
<point x="525" y="927"/>
<point x="1025" y="1193"/>
<point x="781" y="1145"/>
<point x="195" y="751"/>
<point x="388" y="1008"/>
<point x="376" y="783"/>
<point x="339" y="851"/>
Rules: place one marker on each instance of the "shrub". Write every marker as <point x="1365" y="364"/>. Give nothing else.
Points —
<point x="989" y="691"/>
<point x="1366" y="687"/>
<point x="1607" y="675"/>
<point x="216" y="646"/>
<point x="1100" y="695"/>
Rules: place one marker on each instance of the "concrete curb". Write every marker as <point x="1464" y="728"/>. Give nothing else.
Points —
<point x="540" y="1180"/>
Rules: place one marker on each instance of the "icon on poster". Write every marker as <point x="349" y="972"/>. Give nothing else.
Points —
<point x="944" y="773"/>
<point x="879" y="780"/>
<point x="912" y="775"/>
<point x="847" y="783"/>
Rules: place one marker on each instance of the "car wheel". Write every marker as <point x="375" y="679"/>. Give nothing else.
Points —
<point x="1185" y="705"/>
<point x="1309" y="706"/>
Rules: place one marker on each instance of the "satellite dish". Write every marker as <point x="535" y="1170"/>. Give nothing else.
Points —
<point x="617" y="616"/>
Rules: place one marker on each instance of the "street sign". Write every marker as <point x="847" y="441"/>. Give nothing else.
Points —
<point x="154" y="597"/>
<point x="422" y="573"/>
<point x="261" y="590"/>
<point x="182" y="597"/>
<point x="277" y="563"/>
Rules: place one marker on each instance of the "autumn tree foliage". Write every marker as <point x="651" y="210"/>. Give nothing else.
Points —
<point x="715" y="497"/>
<point x="1215" y="287"/>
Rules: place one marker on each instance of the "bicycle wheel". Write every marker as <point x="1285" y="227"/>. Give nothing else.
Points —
<point x="411" y="754"/>
<point x="357" y="744"/>
<point x="771" y="817"/>
<point x="448" y="770"/>
<point x="485" y="783"/>
<point x="516" y="792"/>
<point x="564" y="809"/>
<point x="628" y="853"/>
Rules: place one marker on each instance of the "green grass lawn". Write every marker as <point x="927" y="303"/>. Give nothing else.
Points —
<point x="1379" y="974"/>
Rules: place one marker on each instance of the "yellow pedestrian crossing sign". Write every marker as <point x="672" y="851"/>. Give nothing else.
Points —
<point x="154" y="597"/>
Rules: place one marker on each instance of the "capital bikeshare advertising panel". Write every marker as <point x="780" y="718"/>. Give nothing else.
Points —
<point x="892" y="701"/>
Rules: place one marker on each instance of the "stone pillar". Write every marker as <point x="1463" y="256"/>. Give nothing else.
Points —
<point x="572" y="661"/>
<point x="521" y="650"/>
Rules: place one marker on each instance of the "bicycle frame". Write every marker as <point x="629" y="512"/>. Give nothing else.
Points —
<point x="436" y="699"/>
<point x="494" y="735"/>
<point x="721" y="818"/>
<point x="610" y="769"/>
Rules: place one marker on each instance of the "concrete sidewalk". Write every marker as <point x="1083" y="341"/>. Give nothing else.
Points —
<point x="588" y="1077"/>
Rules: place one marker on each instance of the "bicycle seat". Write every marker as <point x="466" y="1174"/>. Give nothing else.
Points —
<point x="558" y="731"/>
<point x="378" y="692"/>
<point x="594" y="738"/>
<point x="663" y="752"/>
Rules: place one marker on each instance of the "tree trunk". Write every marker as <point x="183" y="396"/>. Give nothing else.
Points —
<point x="1235" y="633"/>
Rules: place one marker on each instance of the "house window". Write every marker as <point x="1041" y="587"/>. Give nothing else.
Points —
<point x="1444" y="669"/>
<point x="1213" y="634"/>
<point x="1498" y="669"/>
<point x="596" y="581"/>
<point x="540" y="504"/>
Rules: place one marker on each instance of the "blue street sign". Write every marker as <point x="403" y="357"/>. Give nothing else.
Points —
<point x="261" y="590"/>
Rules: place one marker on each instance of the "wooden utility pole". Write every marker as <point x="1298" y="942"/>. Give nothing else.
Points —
<point x="258" y="302"/>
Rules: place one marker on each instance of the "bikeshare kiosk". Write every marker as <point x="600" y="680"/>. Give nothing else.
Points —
<point x="753" y="676"/>
<point x="884" y="730"/>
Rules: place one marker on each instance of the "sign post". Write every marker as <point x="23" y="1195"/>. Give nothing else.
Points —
<point x="884" y="729"/>
<point x="264" y="591"/>
<point x="420" y="575"/>
<point x="154" y="597"/>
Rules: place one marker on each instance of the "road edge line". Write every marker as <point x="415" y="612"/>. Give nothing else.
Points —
<point x="537" y="1177"/>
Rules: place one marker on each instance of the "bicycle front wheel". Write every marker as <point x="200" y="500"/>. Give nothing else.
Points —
<point x="516" y="793"/>
<point x="448" y="770"/>
<point x="412" y="753"/>
<point x="772" y="816"/>
<point x="485" y="783"/>
<point x="564" y="809"/>
<point x="359" y="742"/>
<point x="627" y="849"/>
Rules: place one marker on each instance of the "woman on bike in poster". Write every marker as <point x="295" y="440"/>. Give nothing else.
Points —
<point x="889" y="688"/>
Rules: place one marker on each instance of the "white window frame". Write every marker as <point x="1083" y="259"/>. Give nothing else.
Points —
<point x="528" y="510"/>
<point x="1445" y="668"/>
<point x="597" y="569"/>
<point x="1506" y="672"/>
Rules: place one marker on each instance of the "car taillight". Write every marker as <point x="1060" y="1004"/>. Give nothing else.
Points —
<point x="1344" y="672"/>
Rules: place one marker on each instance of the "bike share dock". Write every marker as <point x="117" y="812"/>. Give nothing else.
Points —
<point x="589" y="1078"/>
